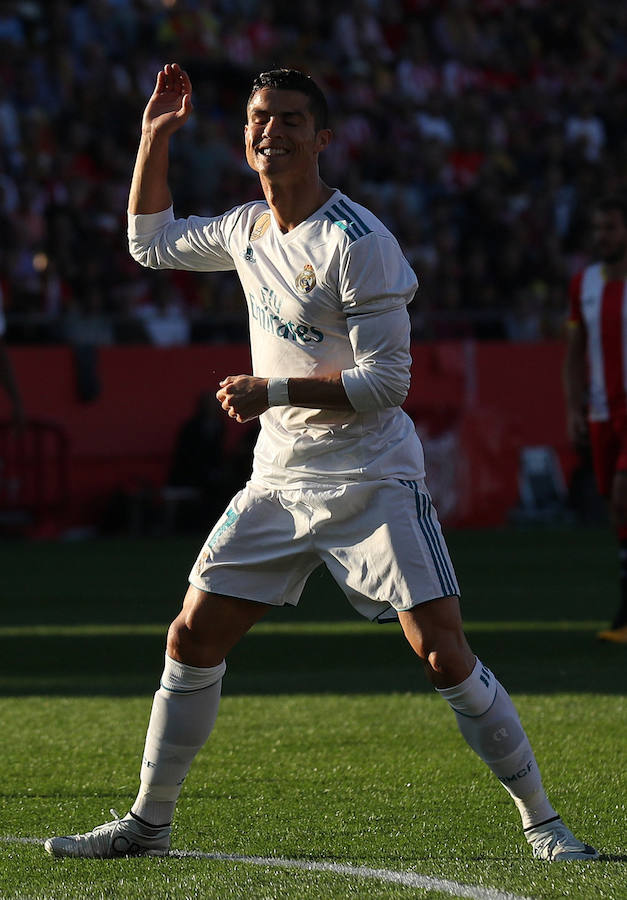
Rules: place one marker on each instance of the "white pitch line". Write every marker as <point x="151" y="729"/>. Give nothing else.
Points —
<point x="409" y="879"/>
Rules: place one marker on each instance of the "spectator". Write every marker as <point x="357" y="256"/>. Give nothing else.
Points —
<point x="491" y="106"/>
<point x="85" y="323"/>
<point x="586" y="129"/>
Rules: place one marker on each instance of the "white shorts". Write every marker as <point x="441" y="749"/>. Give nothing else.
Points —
<point x="380" y="540"/>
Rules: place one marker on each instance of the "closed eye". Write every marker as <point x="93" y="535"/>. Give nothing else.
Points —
<point x="291" y="119"/>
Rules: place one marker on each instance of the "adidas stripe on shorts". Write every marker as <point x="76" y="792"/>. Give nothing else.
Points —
<point x="380" y="540"/>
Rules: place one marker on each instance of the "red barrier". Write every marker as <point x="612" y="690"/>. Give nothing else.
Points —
<point x="475" y="406"/>
<point x="34" y="465"/>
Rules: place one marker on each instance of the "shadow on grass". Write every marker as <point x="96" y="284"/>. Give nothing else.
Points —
<point x="533" y="576"/>
<point x="546" y="661"/>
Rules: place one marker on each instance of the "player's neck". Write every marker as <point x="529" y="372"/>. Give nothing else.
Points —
<point x="291" y="204"/>
<point x="615" y="271"/>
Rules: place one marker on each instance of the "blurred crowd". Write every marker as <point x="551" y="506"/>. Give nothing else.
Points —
<point x="479" y="131"/>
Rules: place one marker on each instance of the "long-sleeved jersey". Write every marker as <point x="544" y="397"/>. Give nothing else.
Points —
<point x="330" y="295"/>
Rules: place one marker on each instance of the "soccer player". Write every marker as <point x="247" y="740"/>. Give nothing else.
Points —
<point x="338" y="474"/>
<point x="595" y="374"/>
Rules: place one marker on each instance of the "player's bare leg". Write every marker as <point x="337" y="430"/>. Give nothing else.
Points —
<point x="209" y="625"/>
<point x="435" y="633"/>
<point x="488" y="722"/>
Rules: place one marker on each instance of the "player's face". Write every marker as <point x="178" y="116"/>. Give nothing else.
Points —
<point x="281" y="137"/>
<point x="609" y="232"/>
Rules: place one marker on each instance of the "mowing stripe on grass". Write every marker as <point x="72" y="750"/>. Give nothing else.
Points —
<point x="408" y="879"/>
<point x="286" y="628"/>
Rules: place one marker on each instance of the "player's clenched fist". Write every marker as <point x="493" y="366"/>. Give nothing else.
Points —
<point x="243" y="397"/>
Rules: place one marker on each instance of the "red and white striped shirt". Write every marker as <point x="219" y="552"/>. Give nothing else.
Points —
<point x="600" y="306"/>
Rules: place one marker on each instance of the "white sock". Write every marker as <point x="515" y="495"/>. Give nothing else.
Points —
<point x="183" y="714"/>
<point x="490" y="725"/>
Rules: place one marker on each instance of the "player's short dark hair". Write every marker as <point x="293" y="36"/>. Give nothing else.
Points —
<point x="610" y="202"/>
<point x="293" y="80"/>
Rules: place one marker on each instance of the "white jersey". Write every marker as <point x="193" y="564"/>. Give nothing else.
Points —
<point x="330" y="295"/>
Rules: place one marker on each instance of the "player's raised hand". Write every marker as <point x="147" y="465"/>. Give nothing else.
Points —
<point x="171" y="102"/>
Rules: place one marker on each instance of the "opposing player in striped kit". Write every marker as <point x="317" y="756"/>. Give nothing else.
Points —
<point x="338" y="473"/>
<point x="595" y="374"/>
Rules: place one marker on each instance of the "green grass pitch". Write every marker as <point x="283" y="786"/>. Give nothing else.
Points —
<point x="330" y="747"/>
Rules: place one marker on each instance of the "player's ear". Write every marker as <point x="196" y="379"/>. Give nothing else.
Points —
<point x="323" y="139"/>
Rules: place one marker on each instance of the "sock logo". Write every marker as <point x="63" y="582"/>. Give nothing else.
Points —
<point x="516" y="776"/>
<point x="485" y="676"/>
<point x="501" y="734"/>
<point x="148" y="764"/>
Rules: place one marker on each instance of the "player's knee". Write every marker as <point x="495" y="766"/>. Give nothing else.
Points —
<point x="433" y="648"/>
<point x="448" y="658"/>
<point x="176" y="639"/>
<point x="182" y="636"/>
<point x="443" y="660"/>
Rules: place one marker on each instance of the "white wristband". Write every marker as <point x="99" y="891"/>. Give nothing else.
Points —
<point x="278" y="393"/>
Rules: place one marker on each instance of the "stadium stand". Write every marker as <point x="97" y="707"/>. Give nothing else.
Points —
<point x="479" y="131"/>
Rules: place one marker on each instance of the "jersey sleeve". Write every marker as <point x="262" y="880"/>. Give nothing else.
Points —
<point x="575" y="316"/>
<point x="376" y="284"/>
<point x="375" y="276"/>
<point x="159" y="241"/>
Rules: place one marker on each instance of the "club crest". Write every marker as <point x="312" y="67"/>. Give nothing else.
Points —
<point x="260" y="227"/>
<point x="306" y="280"/>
